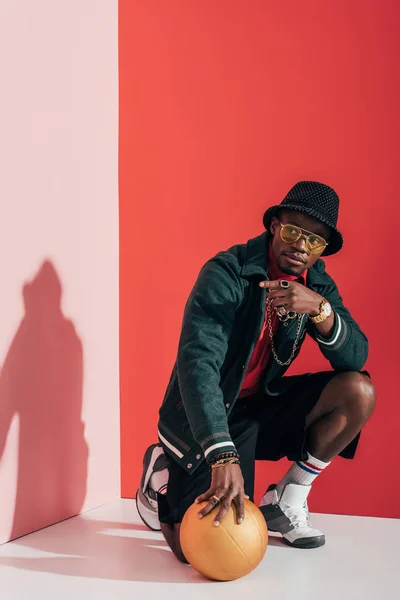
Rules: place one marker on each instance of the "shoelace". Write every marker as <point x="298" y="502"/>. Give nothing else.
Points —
<point x="298" y="515"/>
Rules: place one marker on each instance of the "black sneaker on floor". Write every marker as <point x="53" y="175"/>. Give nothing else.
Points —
<point x="146" y="498"/>
<point x="287" y="513"/>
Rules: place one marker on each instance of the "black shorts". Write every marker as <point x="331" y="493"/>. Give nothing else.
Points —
<point x="262" y="427"/>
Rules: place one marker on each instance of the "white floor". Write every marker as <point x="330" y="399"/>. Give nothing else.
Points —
<point x="108" y="554"/>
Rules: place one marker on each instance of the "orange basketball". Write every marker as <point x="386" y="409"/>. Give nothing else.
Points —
<point x="228" y="551"/>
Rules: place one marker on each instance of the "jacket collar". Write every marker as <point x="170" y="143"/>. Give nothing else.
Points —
<point x="256" y="260"/>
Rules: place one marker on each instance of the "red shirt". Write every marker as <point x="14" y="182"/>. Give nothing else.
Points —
<point x="262" y="350"/>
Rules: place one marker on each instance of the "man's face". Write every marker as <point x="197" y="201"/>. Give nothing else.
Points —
<point x="294" y="257"/>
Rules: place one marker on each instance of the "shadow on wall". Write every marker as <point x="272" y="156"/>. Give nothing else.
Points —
<point x="41" y="382"/>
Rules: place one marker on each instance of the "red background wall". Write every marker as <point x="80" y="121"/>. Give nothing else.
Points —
<point x="223" y="106"/>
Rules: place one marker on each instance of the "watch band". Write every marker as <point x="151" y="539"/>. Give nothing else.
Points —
<point x="323" y="315"/>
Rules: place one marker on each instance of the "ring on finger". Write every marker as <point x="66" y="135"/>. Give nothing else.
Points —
<point x="284" y="284"/>
<point x="214" y="497"/>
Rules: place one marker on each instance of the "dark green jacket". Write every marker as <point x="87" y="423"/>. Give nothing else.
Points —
<point x="222" y="322"/>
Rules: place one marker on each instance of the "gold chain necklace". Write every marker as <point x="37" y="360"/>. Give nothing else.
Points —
<point x="271" y="337"/>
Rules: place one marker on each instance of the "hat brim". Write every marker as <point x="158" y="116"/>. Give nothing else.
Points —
<point x="335" y="240"/>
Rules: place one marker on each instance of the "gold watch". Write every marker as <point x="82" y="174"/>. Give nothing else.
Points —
<point x="325" y="311"/>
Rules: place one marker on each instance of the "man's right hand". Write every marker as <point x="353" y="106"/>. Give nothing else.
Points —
<point x="227" y="486"/>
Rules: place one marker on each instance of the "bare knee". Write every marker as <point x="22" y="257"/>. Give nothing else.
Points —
<point x="358" y="392"/>
<point x="171" y="534"/>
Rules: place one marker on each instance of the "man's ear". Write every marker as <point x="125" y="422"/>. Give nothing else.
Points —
<point x="274" y="225"/>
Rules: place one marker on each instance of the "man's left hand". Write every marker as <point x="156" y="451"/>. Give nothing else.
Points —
<point x="297" y="297"/>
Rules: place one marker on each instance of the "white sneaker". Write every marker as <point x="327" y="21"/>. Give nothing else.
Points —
<point x="154" y="463"/>
<point x="288" y="514"/>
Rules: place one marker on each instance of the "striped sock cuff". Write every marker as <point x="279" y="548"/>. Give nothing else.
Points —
<point x="312" y="465"/>
<point x="306" y="466"/>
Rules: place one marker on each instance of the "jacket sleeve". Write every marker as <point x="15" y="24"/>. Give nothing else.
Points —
<point x="207" y="325"/>
<point x="347" y="347"/>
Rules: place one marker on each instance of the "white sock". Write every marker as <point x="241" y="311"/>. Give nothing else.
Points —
<point x="303" y="472"/>
<point x="159" y="481"/>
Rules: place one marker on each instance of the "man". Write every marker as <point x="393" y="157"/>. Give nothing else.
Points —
<point x="229" y="403"/>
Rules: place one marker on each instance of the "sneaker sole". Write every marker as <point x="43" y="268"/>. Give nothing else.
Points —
<point x="306" y="543"/>
<point x="147" y="514"/>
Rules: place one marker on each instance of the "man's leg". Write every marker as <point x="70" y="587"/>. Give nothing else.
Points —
<point x="345" y="405"/>
<point x="332" y="408"/>
<point x="183" y="489"/>
<point x="171" y="533"/>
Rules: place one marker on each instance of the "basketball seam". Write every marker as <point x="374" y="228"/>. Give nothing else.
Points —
<point x="209" y="563"/>
<point x="238" y="547"/>
<point x="258" y="529"/>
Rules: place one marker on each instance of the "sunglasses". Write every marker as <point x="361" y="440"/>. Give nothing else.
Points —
<point x="291" y="233"/>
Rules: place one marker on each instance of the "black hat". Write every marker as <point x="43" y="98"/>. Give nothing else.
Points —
<point x="316" y="200"/>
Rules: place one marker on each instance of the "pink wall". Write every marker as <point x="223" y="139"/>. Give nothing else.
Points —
<point x="59" y="389"/>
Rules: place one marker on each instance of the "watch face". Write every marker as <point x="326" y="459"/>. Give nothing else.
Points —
<point x="327" y="309"/>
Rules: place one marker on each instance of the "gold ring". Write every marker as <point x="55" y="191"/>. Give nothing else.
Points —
<point x="284" y="284"/>
<point x="216" y="498"/>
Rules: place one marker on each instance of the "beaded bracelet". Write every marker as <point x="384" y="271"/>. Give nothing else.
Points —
<point x="223" y="456"/>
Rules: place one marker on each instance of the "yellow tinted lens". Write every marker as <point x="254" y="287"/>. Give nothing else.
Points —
<point x="316" y="244"/>
<point x="290" y="233"/>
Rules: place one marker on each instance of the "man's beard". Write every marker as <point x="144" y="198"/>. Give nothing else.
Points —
<point x="291" y="269"/>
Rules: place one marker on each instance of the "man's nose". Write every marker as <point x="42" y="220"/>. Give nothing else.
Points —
<point x="300" y="245"/>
